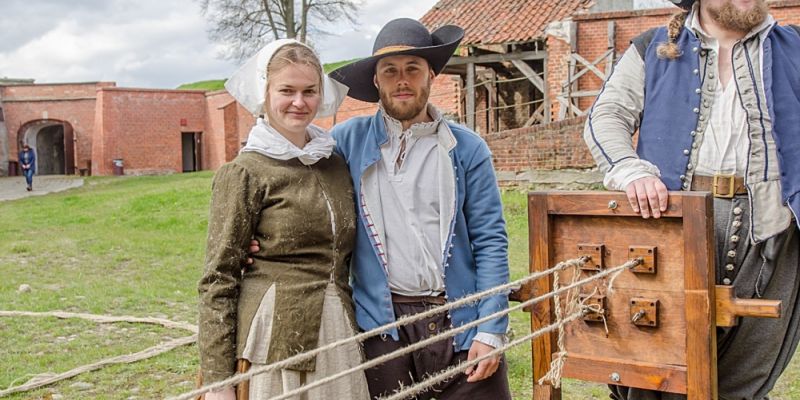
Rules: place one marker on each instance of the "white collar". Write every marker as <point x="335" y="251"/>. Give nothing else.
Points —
<point x="395" y="128"/>
<point x="264" y="139"/>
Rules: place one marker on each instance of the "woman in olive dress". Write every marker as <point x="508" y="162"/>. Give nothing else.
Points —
<point x="290" y="191"/>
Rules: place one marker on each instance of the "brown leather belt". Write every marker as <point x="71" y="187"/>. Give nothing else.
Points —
<point x="438" y="300"/>
<point x="724" y="186"/>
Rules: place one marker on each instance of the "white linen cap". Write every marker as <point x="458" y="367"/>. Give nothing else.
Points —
<point x="248" y="85"/>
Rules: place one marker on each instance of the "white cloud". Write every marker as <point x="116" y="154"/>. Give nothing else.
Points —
<point x="148" y="43"/>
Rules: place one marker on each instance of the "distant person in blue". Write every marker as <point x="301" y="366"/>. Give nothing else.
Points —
<point x="27" y="159"/>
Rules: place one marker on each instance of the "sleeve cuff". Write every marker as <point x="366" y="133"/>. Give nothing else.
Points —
<point x="495" y="340"/>
<point x="627" y="171"/>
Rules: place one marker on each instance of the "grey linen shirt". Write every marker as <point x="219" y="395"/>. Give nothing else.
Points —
<point x="415" y="205"/>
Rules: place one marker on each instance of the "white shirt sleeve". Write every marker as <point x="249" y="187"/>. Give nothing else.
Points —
<point x="495" y="340"/>
<point x="613" y="120"/>
<point x="627" y="171"/>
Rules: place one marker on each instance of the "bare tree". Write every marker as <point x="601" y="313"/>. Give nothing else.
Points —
<point x="244" y="26"/>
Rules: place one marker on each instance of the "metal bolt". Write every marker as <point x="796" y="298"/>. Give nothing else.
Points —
<point x="639" y="315"/>
<point x="612" y="205"/>
<point x="615" y="377"/>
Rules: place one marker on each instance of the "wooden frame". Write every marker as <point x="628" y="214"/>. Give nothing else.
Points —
<point x="680" y="354"/>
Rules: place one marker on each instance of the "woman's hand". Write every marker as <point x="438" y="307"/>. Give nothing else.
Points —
<point x="225" y="394"/>
<point x="253" y="249"/>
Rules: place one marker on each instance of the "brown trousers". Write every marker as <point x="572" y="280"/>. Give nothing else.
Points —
<point x="415" y="367"/>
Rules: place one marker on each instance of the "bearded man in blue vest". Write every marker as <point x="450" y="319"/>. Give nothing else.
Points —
<point x="715" y="97"/>
<point x="431" y="226"/>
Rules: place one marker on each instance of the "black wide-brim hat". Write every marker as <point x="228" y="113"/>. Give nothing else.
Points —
<point x="402" y="36"/>
<point x="684" y="4"/>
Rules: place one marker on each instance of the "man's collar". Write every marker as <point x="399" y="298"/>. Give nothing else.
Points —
<point x="395" y="126"/>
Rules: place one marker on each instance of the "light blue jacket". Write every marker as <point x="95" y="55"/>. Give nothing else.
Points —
<point x="477" y="255"/>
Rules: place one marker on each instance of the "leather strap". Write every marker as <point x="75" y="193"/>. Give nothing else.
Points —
<point x="724" y="186"/>
<point x="438" y="300"/>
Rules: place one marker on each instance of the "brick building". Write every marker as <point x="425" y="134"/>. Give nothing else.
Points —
<point x="569" y="46"/>
<point x="525" y="77"/>
<point x="84" y="127"/>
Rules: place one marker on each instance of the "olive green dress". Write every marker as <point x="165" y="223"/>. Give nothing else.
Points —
<point x="303" y="218"/>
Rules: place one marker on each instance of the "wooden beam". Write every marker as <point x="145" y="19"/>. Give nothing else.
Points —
<point x="547" y="112"/>
<point x="585" y="93"/>
<point x="537" y="115"/>
<point x="540" y="250"/>
<point x="494" y="58"/>
<point x="567" y="106"/>
<point x="471" y="96"/>
<point x="612" y="47"/>
<point x="591" y="66"/>
<point x="530" y="74"/>
<point x="612" y="33"/>
<point x="699" y="291"/>
<point x="585" y="70"/>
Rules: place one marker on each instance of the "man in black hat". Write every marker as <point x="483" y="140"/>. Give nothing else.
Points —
<point x="431" y="227"/>
<point x="715" y="96"/>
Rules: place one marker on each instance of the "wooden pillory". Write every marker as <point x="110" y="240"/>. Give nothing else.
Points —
<point x="661" y="317"/>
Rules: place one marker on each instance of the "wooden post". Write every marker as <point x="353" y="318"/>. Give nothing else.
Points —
<point x="546" y="93"/>
<point x="701" y="342"/>
<point x="612" y="33"/>
<point x="471" y="96"/>
<point x="540" y="244"/>
<point x="573" y="49"/>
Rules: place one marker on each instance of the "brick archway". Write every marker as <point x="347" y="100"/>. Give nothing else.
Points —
<point x="54" y="144"/>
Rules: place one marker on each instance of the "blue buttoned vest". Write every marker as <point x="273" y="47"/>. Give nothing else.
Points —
<point x="672" y="101"/>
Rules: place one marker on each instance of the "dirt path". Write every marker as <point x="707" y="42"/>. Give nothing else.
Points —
<point x="13" y="188"/>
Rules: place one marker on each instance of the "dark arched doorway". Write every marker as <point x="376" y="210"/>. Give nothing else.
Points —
<point x="50" y="150"/>
<point x="53" y="142"/>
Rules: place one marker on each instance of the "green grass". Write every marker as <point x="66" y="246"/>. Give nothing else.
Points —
<point x="134" y="246"/>
<point x="211" y="85"/>
<point x="219" y="84"/>
<point x="338" y="64"/>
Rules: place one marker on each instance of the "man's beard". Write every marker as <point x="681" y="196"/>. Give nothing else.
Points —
<point x="409" y="111"/>
<point x="732" y="18"/>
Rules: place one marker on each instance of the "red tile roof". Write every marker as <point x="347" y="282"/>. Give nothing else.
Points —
<point x="500" y="21"/>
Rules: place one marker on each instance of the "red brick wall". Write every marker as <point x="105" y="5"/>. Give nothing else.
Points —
<point x="143" y="127"/>
<point x="226" y="125"/>
<point x="70" y="103"/>
<point x="557" y="68"/>
<point x="593" y="34"/>
<point x="592" y="42"/>
<point x="214" y="136"/>
<point x="557" y="145"/>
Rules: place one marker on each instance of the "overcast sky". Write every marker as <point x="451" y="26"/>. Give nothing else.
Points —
<point x="146" y="43"/>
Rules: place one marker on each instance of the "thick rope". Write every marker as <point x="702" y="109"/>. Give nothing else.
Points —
<point x="374" y="332"/>
<point x="557" y="363"/>
<point x="103" y="319"/>
<point x="44" y="380"/>
<point x="233" y="380"/>
<point x="124" y="359"/>
<point x="460" y="368"/>
<point x="576" y="309"/>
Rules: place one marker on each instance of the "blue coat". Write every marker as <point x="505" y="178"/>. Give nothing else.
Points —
<point x="32" y="160"/>
<point x="477" y="241"/>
